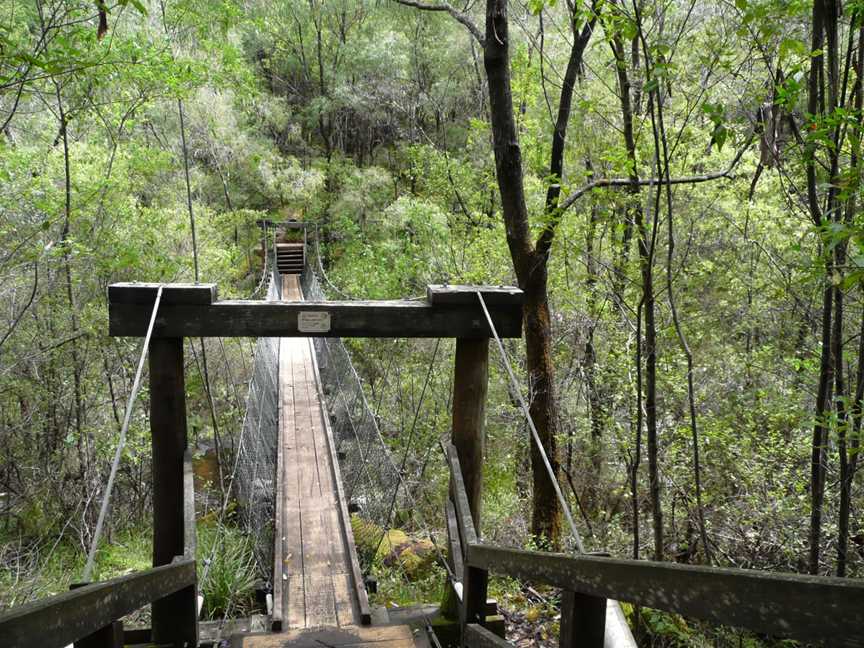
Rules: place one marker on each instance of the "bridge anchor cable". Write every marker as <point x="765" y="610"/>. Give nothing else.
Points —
<point x="136" y="386"/>
<point x="535" y="435"/>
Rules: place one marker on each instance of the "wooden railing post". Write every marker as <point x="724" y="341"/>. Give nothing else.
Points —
<point x="470" y="384"/>
<point x="583" y="621"/>
<point x="111" y="636"/>
<point x="175" y="618"/>
<point x="476" y="582"/>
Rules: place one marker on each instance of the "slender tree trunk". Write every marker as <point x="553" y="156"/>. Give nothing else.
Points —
<point x="646" y="262"/>
<point x="634" y="217"/>
<point x="82" y="439"/>
<point x="824" y="22"/>
<point x="596" y="411"/>
<point x="633" y="191"/>
<point x="530" y="261"/>
<point x="848" y="436"/>
<point x="185" y="152"/>
<point x="661" y="149"/>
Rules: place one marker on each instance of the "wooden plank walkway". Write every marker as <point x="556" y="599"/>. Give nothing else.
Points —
<point x="313" y="576"/>
<point x="317" y="600"/>
<point x="349" y="637"/>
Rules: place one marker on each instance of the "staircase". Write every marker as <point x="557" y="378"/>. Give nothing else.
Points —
<point x="289" y="258"/>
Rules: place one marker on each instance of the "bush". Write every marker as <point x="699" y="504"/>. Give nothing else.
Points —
<point x="226" y="572"/>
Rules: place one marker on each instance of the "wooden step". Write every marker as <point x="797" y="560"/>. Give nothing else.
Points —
<point x="345" y="637"/>
<point x="290" y="258"/>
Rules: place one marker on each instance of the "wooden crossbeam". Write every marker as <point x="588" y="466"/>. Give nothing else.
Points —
<point x="460" y="295"/>
<point x="194" y="312"/>
<point x="144" y="294"/>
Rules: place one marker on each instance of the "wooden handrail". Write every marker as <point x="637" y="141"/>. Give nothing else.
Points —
<point x="65" y="618"/>
<point x="787" y="605"/>
<point x="190" y="532"/>
<point x="454" y="543"/>
<point x="477" y="636"/>
<point x="467" y="530"/>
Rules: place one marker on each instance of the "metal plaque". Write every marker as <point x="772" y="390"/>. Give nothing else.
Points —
<point x="313" y="322"/>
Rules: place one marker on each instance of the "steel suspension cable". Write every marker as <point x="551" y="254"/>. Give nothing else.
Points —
<point x="118" y="452"/>
<point x="536" y="436"/>
<point x="238" y="453"/>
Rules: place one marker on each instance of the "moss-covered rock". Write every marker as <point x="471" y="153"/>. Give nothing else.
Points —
<point x="416" y="558"/>
<point x="393" y="548"/>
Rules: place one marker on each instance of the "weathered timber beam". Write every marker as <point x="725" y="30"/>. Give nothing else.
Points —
<point x="175" y="293"/>
<point x="63" y="619"/>
<point x="390" y="319"/>
<point x="477" y="636"/>
<point x="464" y="520"/>
<point x="787" y="605"/>
<point x="441" y="295"/>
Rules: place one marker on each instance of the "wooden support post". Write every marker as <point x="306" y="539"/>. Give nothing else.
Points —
<point x="175" y="618"/>
<point x="475" y="582"/>
<point x="583" y="620"/>
<point x="111" y="636"/>
<point x="470" y="384"/>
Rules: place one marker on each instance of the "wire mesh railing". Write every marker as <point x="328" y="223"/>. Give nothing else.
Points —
<point x="372" y="480"/>
<point x="369" y="474"/>
<point x="257" y="445"/>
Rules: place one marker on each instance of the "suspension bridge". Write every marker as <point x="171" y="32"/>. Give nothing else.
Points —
<point x="310" y="449"/>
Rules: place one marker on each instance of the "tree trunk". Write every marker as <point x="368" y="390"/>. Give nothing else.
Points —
<point x="646" y="265"/>
<point x="546" y="515"/>
<point x="849" y="436"/>
<point x="529" y="261"/>
<point x="596" y="411"/>
<point x="824" y="22"/>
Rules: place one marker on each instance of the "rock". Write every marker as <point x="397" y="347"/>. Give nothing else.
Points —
<point x="416" y="558"/>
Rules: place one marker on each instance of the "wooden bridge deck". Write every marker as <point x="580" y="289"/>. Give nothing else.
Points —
<point x="384" y="637"/>
<point x="313" y="576"/>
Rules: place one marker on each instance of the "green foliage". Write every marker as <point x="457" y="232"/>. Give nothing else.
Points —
<point x="225" y="555"/>
<point x="371" y="121"/>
